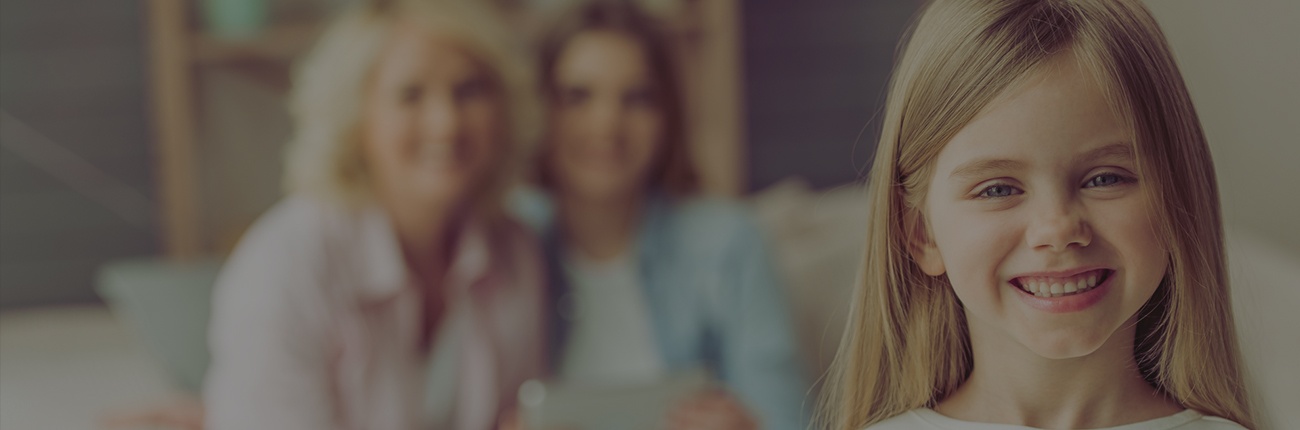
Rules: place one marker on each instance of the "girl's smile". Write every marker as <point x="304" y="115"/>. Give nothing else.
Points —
<point x="1071" y="291"/>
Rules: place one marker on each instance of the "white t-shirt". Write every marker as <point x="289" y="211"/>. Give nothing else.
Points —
<point x="928" y="419"/>
<point x="611" y="340"/>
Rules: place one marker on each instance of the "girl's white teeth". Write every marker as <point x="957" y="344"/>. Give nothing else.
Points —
<point x="1055" y="287"/>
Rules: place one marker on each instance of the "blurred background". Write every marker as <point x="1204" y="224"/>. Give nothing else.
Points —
<point x="138" y="139"/>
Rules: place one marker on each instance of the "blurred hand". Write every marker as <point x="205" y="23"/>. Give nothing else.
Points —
<point x="711" y="410"/>
<point x="513" y="420"/>
<point x="510" y="421"/>
<point x="185" y="413"/>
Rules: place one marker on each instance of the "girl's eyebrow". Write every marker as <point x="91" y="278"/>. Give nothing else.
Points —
<point x="1118" y="150"/>
<point x="980" y="168"/>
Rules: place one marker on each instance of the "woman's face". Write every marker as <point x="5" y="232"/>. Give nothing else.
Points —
<point x="431" y="121"/>
<point x="1040" y="221"/>
<point x="606" y="121"/>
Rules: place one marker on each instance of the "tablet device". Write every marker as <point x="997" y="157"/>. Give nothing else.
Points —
<point x="561" y="405"/>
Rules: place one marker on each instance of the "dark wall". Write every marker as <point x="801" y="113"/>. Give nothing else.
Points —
<point x="816" y="73"/>
<point x="72" y="90"/>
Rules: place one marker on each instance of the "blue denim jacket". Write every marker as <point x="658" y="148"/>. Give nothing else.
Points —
<point x="716" y="302"/>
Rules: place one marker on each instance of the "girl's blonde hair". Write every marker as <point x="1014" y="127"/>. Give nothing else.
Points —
<point x="907" y="345"/>
<point x="324" y="156"/>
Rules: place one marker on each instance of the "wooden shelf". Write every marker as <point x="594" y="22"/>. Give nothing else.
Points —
<point x="279" y="43"/>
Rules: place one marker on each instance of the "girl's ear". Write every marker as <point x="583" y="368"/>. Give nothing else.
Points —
<point x="921" y="247"/>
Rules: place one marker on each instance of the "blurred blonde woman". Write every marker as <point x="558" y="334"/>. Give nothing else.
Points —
<point x="1045" y="247"/>
<point x="388" y="291"/>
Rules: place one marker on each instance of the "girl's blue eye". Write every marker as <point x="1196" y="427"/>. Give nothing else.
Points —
<point x="998" y="191"/>
<point x="1105" y="180"/>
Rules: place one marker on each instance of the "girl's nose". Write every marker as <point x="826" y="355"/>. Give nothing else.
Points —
<point x="1057" y="226"/>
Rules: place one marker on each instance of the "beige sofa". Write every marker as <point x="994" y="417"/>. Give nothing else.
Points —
<point x="65" y="368"/>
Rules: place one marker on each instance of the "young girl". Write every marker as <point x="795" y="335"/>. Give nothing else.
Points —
<point x="388" y="290"/>
<point x="1045" y="246"/>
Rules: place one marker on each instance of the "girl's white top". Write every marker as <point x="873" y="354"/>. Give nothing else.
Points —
<point x="928" y="419"/>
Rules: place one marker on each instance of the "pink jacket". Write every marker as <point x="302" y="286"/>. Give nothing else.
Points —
<point x="316" y="323"/>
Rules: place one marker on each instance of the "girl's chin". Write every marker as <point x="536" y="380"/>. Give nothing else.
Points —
<point x="1064" y="345"/>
